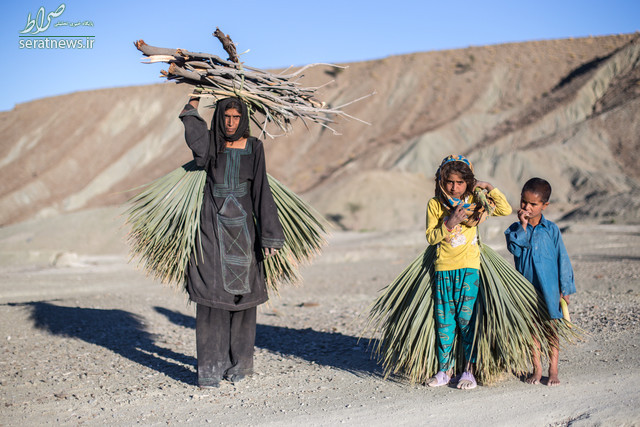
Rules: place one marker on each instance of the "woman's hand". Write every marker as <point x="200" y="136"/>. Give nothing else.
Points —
<point x="270" y="251"/>
<point x="194" y="101"/>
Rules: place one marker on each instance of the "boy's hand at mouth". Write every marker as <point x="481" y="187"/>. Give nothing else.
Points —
<point x="523" y="216"/>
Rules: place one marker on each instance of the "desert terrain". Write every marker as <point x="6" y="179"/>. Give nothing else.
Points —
<point x="88" y="339"/>
<point x="563" y="109"/>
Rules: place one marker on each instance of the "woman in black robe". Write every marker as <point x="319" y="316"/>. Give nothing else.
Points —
<point x="239" y="218"/>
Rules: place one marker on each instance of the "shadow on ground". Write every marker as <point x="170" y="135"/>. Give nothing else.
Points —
<point x="323" y="348"/>
<point x="124" y="333"/>
<point x="117" y="330"/>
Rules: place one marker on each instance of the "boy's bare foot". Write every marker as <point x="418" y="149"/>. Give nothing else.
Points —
<point x="553" y="377"/>
<point x="534" y="378"/>
<point x="553" y="380"/>
<point x="553" y="366"/>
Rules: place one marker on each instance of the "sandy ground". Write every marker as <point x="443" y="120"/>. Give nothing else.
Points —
<point x="88" y="339"/>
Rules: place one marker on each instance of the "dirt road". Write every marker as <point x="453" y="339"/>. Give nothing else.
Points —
<point x="90" y="340"/>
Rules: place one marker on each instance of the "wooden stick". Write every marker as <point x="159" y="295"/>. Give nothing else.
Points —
<point x="227" y="45"/>
<point x="280" y="98"/>
<point x="179" y="71"/>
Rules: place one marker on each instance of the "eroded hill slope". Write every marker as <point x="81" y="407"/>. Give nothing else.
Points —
<point x="563" y="109"/>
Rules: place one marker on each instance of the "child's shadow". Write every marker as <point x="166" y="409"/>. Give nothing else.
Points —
<point x="117" y="330"/>
<point x="323" y="348"/>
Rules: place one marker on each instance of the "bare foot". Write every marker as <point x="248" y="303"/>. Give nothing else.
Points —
<point x="431" y="382"/>
<point x="534" y="378"/>
<point x="553" y="379"/>
<point x="553" y="366"/>
<point x="467" y="381"/>
<point x="439" y="379"/>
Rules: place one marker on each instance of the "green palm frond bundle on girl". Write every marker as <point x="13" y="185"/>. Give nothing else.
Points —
<point x="509" y="315"/>
<point x="459" y="307"/>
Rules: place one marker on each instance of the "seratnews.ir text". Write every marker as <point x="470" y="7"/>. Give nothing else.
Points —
<point x="56" y="43"/>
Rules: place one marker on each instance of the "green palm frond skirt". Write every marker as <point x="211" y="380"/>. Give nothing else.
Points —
<point x="509" y="316"/>
<point x="164" y="220"/>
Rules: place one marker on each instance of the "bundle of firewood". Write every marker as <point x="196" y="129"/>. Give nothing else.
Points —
<point x="280" y="98"/>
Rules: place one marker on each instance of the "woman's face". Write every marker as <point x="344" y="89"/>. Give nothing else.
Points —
<point x="455" y="185"/>
<point x="231" y="121"/>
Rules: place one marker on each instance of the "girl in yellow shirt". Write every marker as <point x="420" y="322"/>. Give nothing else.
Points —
<point x="452" y="217"/>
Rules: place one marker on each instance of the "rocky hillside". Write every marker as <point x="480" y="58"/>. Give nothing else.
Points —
<point x="566" y="110"/>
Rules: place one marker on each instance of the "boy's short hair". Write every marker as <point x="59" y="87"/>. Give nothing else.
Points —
<point x="539" y="186"/>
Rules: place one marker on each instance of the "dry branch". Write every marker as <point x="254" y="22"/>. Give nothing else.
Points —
<point x="227" y="45"/>
<point x="279" y="98"/>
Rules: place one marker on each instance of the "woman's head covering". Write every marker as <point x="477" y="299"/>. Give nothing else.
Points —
<point x="217" y="124"/>
<point x="219" y="136"/>
<point x="476" y="212"/>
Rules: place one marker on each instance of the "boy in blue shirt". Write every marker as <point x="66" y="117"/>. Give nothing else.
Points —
<point x="540" y="256"/>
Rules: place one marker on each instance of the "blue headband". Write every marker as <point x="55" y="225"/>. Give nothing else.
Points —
<point x="452" y="158"/>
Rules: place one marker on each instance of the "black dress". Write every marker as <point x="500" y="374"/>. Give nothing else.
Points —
<point x="239" y="217"/>
<point x="225" y="274"/>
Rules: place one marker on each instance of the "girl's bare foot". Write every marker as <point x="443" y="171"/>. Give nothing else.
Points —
<point x="467" y="381"/>
<point x="439" y="379"/>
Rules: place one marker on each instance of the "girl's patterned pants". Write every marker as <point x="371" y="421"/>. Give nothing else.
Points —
<point x="456" y="292"/>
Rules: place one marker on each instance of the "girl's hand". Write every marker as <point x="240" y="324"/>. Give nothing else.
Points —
<point x="566" y="298"/>
<point x="456" y="217"/>
<point x="485" y="185"/>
